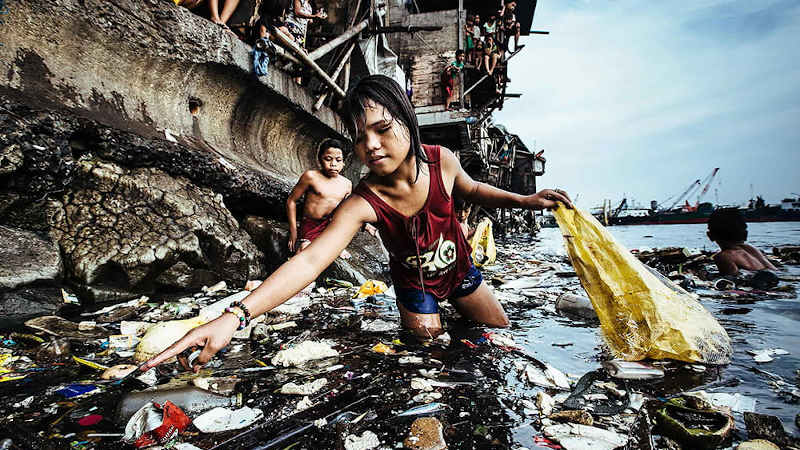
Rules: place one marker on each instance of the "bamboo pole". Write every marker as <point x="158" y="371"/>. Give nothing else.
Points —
<point x="323" y="50"/>
<point x="288" y="42"/>
<point x="487" y="75"/>
<point x="342" y="63"/>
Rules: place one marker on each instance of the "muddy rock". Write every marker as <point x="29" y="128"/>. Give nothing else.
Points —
<point x="763" y="426"/>
<point x="26" y="258"/>
<point x="123" y="228"/>
<point x="271" y="237"/>
<point x="19" y="305"/>
<point x="425" y="434"/>
<point x="367" y="261"/>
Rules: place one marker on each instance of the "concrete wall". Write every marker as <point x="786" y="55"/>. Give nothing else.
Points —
<point x="135" y="65"/>
<point x="423" y="42"/>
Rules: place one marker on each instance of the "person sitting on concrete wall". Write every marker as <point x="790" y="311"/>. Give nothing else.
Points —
<point x="214" y="14"/>
<point x="509" y="26"/>
<point x="490" y="27"/>
<point x="272" y="15"/>
<point x="470" y="43"/>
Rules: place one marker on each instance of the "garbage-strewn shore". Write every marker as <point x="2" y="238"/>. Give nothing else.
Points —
<point x="327" y="370"/>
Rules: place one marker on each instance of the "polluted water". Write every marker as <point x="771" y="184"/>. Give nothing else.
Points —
<point x="330" y="371"/>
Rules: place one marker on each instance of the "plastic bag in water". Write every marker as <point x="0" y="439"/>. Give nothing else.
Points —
<point x="642" y="314"/>
<point x="483" y="250"/>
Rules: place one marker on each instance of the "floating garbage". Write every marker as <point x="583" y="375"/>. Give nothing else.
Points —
<point x="426" y="434"/>
<point x="694" y="422"/>
<point x="118" y="371"/>
<point x="303" y="352"/>
<point x="426" y="397"/>
<point x="631" y="370"/>
<point x="371" y="287"/>
<point x="545" y="403"/>
<point x="575" y="305"/>
<point x="384" y="349"/>
<point x="75" y="390"/>
<point x="379" y="326"/>
<point x="548" y="377"/>
<point x="58" y="326"/>
<point x="573" y="416"/>
<point x="312" y="387"/>
<point x="155" y="424"/>
<point x="161" y="336"/>
<point x="642" y="314"/>
<point x="765" y="356"/>
<point x="368" y="440"/>
<point x="757" y="444"/>
<point x="430" y="408"/>
<point x="190" y="399"/>
<point x="223" y="419"/>
<point x="573" y="436"/>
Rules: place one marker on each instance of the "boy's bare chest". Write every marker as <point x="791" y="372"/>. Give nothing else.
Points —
<point x="334" y="189"/>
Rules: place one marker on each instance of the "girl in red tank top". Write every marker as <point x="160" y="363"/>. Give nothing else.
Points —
<point x="408" y="194"/>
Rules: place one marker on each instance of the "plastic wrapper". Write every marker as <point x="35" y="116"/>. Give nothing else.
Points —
<point x="484" y="251"/>
<point x="642" y="314"/>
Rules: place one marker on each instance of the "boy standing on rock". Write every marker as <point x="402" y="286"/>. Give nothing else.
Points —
<point x="324" y="189"/>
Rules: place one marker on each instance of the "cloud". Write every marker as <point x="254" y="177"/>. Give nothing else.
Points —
<point x="642" y="98"/>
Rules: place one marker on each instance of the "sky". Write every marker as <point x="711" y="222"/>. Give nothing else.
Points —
<point x="639" y="99"/>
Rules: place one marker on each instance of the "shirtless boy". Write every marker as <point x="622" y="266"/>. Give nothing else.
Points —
<point x="324" y="190"/>
<point x="728" y="229"/>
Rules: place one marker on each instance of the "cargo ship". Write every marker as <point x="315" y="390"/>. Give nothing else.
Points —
<point x="758" y="211"/>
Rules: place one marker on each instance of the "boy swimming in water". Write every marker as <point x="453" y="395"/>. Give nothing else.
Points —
<point x="324" y="189"/>
<point x="728" y="229"/>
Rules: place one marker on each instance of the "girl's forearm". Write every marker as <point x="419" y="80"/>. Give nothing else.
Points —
<point x="492" y="197"/>
<point x="284" y="283"/>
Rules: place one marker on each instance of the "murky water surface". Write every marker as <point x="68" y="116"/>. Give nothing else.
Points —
<point x="752" y="325"/>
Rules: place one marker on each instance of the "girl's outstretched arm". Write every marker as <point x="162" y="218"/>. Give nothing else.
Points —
<point x="487" y="195"/>
<point x="284" y="283"/>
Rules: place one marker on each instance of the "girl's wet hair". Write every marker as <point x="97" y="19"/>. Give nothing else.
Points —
<point x="386" y="92"/>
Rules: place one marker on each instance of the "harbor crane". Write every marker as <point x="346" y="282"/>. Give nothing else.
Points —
<point x="686" y="193"/>
<point x="707" y="182"/>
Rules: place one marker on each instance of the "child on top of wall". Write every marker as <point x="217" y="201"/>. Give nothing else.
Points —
<point x="728" y="229"/>
<point x="324" y="189"/>
<point x="468" y="33"/>
<point x="450" y="76"/>
<point x="408" y="194"/>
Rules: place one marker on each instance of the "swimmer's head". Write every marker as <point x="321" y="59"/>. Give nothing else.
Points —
<point x="727" y="225"/>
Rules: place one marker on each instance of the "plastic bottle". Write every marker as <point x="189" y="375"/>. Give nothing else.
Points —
<point x="575" y="305"/>
<point x="190" y="399"/>
<point x="630" y="370"/>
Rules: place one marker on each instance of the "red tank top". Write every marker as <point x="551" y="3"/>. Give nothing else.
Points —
<point x="428" y="245"/>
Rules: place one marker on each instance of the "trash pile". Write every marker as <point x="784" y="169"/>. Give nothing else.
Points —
<point x="331" y="368"/>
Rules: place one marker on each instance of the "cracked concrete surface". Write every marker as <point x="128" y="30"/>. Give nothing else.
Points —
<point x="122" y="229"/>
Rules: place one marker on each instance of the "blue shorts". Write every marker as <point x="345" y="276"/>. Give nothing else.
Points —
<point x="414" y="301"/>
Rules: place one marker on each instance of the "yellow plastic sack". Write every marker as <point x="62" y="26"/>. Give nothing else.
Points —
<point x="642" y="314"/>
<point x="483" y="250"/>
